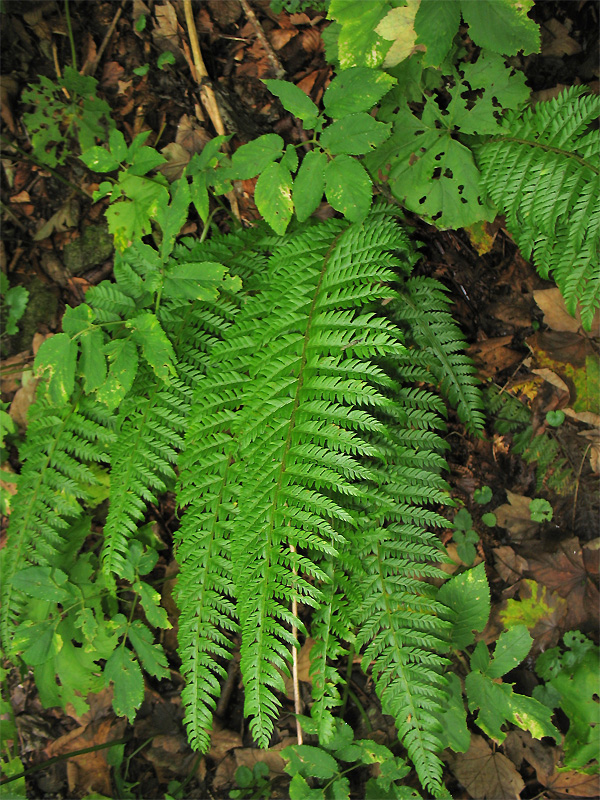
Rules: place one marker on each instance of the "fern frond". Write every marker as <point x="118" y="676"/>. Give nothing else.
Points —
<point x="543" y="174"/>
<point x="423" y="308"/>
<point x="61" y="443"/>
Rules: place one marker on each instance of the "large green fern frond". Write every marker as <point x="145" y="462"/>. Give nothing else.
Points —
<point x="543" y="173"/>
<point x="61" y="444"/>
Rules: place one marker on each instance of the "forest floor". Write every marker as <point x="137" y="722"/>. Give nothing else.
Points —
<point x="521" y="338"/>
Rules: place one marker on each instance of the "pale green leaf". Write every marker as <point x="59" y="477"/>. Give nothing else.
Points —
<point x="310" y="762"/>
<point x="348" y="187"/>
<point x="144" y="160"/>
<point x="124" y="672"/>
<point x="398" y="27"/>
<point x="37" y="641"/>
<point x="358" y="44"/>
<point x="309" y="184"/>
<point x="57" y="358"/>
<point x="199" y="195"/>
<point x="117" y="145"/>
<point x="273" y="197"/>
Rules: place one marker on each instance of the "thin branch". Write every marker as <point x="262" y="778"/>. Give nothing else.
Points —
<point x="271" y="55"/>
<point x="93" y="65"/>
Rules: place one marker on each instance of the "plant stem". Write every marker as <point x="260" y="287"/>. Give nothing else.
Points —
<point x="70" y="31"/>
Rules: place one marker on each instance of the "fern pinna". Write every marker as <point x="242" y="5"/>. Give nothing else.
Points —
<point x="543" y="173"/>
<point x="306" y="453"/>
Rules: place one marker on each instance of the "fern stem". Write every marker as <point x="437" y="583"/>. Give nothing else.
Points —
<point x="70" y="32"/>
<point x="548" y="148"/>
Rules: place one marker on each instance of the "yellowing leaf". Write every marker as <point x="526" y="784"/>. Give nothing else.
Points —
<point x="399" y="27"/>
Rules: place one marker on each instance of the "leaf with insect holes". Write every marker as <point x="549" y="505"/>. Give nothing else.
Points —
<point x="57" y="358"/>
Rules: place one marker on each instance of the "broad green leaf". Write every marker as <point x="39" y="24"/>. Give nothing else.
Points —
<point x="209" y="156"/>
<point x="37" y="641"/>
<point x="356" y="89"/>
<point x="290" y="160"/>
<point x="199" y="281"/>
<point x="502" y="91"/>
<point x="117" y="145"/>
<point x="480" y="657"/>
<point x="93" y="360"/>
<point x="144" y="160"/>
<point x="300" y="790"/>
<point x="123" y="364"/>
<point x="355" y="134"/>
<point x="294" y="100"/>
<point x="151" y="655"/>
<point x="273" y="197"/>
<point x="57" y="358"/>
<point x="502" y="25"/>
<point x="436" y="24"/>
<point x="150" y="600"/>
<point x="136" y="145"/>
<point x="199" y="195"/>
<point x="358" y="44"/>
<point x="77" y="319"/>
<point x="43" y="582"/>
<point x="311" y="762"/>
<point x="309" y="184"/>
<point x="253" y="158"/>
<point x="99" y="159"/>
<point x="511" y="648"/>
<point x="431" y="173"/>
<point x="172" y="217"/>
<point x="16" y="299"/>
<point x="45" y="683"/>
<point x="398" y="27"/>
<point x="125" y="673"/>
<point x="453" y="718"/>
<point x="156" y="348"/>
<point x="348" y="188"/>
<point x="468" y="597"/>
<point x="13" y="766"/>
<point x="129" y="220"/>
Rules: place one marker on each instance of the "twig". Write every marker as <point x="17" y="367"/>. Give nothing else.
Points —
<point x="70" y="32"/>
<point x="94" y="64"/>
<point x="275" y="62"/>
<point x="207" y="94"/>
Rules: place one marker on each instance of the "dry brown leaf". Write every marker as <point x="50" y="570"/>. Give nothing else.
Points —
<point x="493" y="355"/>
<point x="594" y="450"/>
<point x="509" y="565"/>
<point x="551" y="377"/>
<point x="515" y="516"/>
<point x="191" y="135"/>
<point x="24" y="397"/>
<point x="178" y="158"/>
<point x="222" y="741"/>
<point x="486" y="775"/>
<point x="556" y="315"/>
<point x="12" y="371"/>
<point x="66" y="217"/>
<point x="249" y="756"/>
<point x="279" y="37"/>
<point x="556" y="40"/>
<point x="112" y="72"/>
<point x="90" y="772"/>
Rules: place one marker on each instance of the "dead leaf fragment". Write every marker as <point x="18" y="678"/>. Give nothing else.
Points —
<point x="486" y="775"/>
<point x="509" y="565"/>
<point x="515" y="516"/>
<point x="556" y="315"/>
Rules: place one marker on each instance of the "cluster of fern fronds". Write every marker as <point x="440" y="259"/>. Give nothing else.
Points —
<point x="542" y="172"/>
<point x="306" y="451"/>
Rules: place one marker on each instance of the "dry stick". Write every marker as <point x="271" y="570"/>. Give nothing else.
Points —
<point x="207" y="94"/>
<point x="94" y="64"/>
<point x="275" y="62"/>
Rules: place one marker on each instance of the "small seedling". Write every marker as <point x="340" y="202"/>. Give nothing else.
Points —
<point x="489" y="519"/>
<point x="465" y="537"/>
<point x="482" y="495"/>
<point x="541" y="510"/>
<point x="555" y="418"/>
<point x="253" y="783"/>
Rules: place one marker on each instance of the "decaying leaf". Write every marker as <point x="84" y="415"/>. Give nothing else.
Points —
<point x="485" y="774"/>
